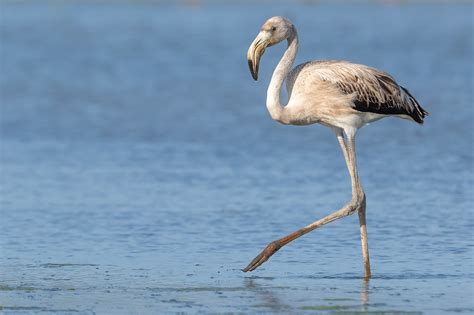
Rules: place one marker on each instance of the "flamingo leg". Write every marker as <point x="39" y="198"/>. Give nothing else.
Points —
<point x="342" y="144"/>
<point x="348" y="149"/>
<point x="358" y="191"/>
<point x="274" y="246"/>
<point x="364" y="242"/>
<point x="356" y="204"/>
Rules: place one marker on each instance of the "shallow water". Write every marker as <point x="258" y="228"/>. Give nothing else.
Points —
<point x="140" y="170"/>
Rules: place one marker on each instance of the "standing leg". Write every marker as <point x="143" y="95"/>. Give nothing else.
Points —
<point x="363" y="239"/>
<point x="359" y="193"/>
<point x="358" y="198"/>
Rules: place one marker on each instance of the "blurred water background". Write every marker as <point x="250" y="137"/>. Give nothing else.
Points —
<point x="140" y="169"/>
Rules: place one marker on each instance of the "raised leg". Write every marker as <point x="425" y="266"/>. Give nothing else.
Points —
<point x="342" y="144"/>
<point x="357" y="203"/>
<point x="274" y="246"/>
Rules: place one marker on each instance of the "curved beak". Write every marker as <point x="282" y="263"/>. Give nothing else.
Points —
<point x="255" y="52"/>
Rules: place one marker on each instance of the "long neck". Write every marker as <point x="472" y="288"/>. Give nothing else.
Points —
<point x="274" y="105"/>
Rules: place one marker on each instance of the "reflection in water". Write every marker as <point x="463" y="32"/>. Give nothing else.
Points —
<point x="364" y="294"/>
<point x="266" y="295"/>
<point x="268" y="298"/>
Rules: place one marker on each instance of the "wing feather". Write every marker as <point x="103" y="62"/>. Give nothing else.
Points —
<point x="373" y="90"/>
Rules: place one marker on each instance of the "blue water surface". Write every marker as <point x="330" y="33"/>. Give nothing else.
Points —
<point x="140" y="170"/>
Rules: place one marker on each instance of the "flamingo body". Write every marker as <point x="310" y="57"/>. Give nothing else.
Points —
<point x="338" y="94"/>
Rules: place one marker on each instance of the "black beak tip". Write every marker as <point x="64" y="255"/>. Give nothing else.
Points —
<point x="254" y="74"/>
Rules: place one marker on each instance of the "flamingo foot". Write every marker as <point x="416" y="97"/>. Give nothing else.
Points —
<point x="271" y="249"/>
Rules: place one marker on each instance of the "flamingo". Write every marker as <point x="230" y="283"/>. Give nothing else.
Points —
<point x="341" y="95"/>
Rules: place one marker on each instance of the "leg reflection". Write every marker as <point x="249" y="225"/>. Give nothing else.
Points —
<point x="364" y="294"/>
<point x="267" y="296"/>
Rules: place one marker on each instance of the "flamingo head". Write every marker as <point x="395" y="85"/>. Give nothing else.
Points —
<point x="273" y="31"/>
